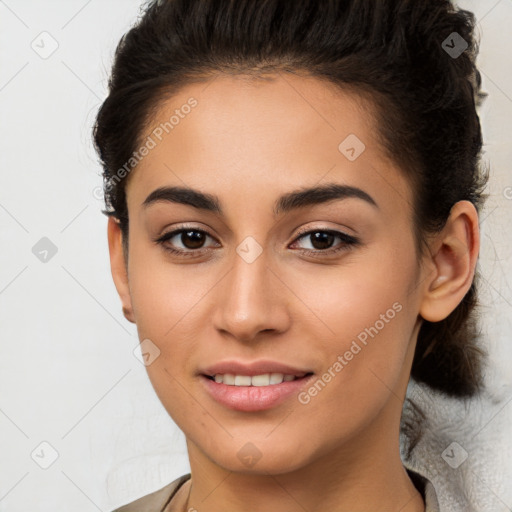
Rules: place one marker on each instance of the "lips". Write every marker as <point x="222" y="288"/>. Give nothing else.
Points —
<point x="254" y="398"/>
<point x="253" y="368"/>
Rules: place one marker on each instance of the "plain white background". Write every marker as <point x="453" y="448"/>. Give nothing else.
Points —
<point x="68" y="374"/>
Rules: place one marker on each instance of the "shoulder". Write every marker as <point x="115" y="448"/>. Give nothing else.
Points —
<point x="156" y="501"/>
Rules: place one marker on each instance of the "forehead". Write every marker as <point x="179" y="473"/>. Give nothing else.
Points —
<point x="234" y="134"/>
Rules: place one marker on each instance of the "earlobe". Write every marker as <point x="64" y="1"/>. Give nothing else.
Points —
<point x="118" y="267"/>
<point x="454" y="260"/>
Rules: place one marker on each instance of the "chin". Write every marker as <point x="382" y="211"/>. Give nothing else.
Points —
<point x="259" y="457"/>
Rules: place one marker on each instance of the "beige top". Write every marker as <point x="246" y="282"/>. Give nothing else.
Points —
<point x="173" y="497"/>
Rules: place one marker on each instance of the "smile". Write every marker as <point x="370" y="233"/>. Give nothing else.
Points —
<point x="253" y="393"/>
<point x="265" y="379"/>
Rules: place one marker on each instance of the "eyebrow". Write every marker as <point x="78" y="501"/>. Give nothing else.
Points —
<point x="301" y="198"/>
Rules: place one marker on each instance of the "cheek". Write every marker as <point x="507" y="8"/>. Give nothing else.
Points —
<point x="342" y="300"/>
<point x="165" y="297"/>
<point x="363" y="320"/>
<point x="166" y="300"/>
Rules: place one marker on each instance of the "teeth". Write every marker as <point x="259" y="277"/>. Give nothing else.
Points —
<point x="265" y="379"/>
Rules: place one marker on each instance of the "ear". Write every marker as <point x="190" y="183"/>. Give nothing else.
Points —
<point x="118" y="267"/>
<point x="454" y="255"/>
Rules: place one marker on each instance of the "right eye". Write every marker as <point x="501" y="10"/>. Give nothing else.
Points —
<point x="191" y="238"/>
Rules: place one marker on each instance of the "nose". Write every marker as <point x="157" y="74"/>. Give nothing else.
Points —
<point x="251" y="299"/>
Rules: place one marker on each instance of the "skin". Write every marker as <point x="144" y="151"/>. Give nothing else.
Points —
<point x="248" y="143"/>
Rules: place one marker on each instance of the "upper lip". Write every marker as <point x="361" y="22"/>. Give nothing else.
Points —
<point x="253" y="368"/>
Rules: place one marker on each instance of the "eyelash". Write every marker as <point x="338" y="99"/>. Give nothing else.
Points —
<point x="348" y="242"/>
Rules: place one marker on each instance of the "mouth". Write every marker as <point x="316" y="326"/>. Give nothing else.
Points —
<point x="253" y="393"/>
<point x="262" y="380"/>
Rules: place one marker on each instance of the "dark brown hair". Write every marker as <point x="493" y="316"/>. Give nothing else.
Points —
<point x="401" y="55"/>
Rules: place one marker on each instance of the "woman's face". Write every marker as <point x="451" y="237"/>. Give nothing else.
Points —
<point x="249" y="286"/>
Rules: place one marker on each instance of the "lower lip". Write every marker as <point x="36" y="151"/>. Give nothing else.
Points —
<point x="253" y="398"/>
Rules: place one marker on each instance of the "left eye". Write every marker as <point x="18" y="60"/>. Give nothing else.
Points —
<point x="323" y="239"/>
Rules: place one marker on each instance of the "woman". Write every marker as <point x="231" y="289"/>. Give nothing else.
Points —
<point x="293" y="192"/>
